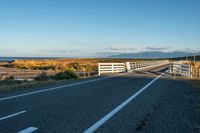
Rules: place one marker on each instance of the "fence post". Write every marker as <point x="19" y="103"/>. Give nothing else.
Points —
<point x="128" y="67"/>
<point x="180" y="69"/>
<point x="112" y="68"/>
<point x="99" y="73"/>
<point x="170" y="68"/>
<point x="190" y="71"/>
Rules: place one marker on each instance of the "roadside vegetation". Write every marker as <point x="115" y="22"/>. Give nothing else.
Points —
<point x="48" y="71"/>
<point x="66" y="75"/>
<point x="42" y="80"/>
<point x="58" y="64"/>
<point x="63" y="64"/>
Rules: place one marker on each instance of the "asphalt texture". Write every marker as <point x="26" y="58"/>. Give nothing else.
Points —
<point x="167" y="106"/>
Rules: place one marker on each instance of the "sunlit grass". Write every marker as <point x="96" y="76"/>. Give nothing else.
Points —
<point x="63" y="64"/>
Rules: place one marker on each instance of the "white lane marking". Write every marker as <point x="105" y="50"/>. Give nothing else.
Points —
<point x="29" y="130"/>
<point x="99" y="123"/>
<point x="12" y="115"/>
<point x="59" y="87"/>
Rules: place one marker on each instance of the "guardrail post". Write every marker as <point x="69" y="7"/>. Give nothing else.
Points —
<point x="112" y="68"/>
<point x="180" y="69"/>
<point x="190" y="71"/>
<point x="128" y="67"/>
<point x="99" y="73"/>
<point x="170" y="68"/>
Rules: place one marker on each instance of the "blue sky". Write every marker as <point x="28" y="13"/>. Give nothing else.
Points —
<point x="90" y="28"/>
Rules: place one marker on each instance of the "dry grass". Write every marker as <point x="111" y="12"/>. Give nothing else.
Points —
<point x="62" y="64"/>
<point x="196" y="70"/>
<point x="52" y="64"/>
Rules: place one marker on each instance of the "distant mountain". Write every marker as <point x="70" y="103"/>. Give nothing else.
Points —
<point x="153" y="55"/>
<point x="197" y="58"/>
<point x="10" y="59"/>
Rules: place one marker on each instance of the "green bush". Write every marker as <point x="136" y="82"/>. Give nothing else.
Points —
<point x="9" y="81"/>
<point x="11" y="78"/>
<point x="74" y="65"/>
<point x="42" y="77"/>
<point x="68" y="74"/>
<point x="44" y="68"/>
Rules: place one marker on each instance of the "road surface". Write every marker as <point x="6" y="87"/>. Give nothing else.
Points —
<point x="126" y="103"/>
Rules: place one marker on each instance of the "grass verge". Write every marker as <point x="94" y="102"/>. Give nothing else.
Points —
<point x="42" y="80"/>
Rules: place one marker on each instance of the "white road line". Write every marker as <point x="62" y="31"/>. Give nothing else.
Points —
<point x="99" y="123"/>
<point x="29" y="130"/>
<point x="12" y="115"/>
<point x="55" y="88"/>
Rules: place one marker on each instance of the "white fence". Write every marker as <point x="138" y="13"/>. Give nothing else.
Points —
<point x="145" y="64"/>
<point x="111" y="68"/>
<point x="128" y="66"/>
<point x="180" y="68"/>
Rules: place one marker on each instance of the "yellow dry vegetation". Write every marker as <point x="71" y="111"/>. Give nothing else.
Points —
<point x="196" y="70"/>
<point x="55" y="64"/>
<point x="195" y="66"/>
<point x="85" y="64"/>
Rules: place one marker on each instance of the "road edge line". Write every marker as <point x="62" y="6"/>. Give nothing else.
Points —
<point x="104" y="119"/>
<point x="12" y="115"/>
<point x="59" y="87"/>
<point x="29" y="130"/>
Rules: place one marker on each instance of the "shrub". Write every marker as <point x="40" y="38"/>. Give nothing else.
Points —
<point x="9" y="81"/>
<point x="44" y="68"/>
<point x="11" y="78"/>
<point x="74" y="65"/>
<point x="42" y="77"/>
<point x="68" y="74"/>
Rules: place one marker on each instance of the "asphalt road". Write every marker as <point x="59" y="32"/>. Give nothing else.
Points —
<point x="158" y="104"/>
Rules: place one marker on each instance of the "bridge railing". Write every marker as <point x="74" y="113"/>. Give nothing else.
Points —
<point x="128" y="66"/>
<point x="145" y="64"/>
<point x="111" y="68"/>
<point x="180" y="68"/>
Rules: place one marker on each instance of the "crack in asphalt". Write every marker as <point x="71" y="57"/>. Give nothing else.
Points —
<point x="144" y="123"/>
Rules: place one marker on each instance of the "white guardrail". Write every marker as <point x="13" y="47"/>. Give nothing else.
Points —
<point x="128" y="66"/>
<point x="180" y="68"/>
<point x="111" y="68"/>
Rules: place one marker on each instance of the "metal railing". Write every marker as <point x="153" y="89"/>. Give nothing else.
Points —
<point x="128" y="66"/>
<point x="145" y="64"/>
<point x="180" y="68"/>
<point x="111" y="68"/>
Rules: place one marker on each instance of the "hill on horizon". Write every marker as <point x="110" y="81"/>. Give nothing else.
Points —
<point x="154" y="55"/>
